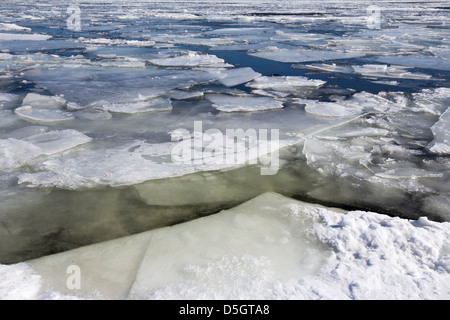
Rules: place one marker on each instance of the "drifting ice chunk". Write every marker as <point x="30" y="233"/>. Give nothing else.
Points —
<point x="234" y="77"/>
<point x="417" y="61"/>
<point x="284" y="83"/>
<point x="384" y="71"/>
<point x="182" y="95"/>
<point x="14" y="153"/>
<point x="228" y="103"/>
<point x="441" y="131"/>
<point x="153" y="105"/>
<point x="27" y="131"/>
<point x="12" y="27"/>
<point x="327" y="67"/>
<point x="330" y="109"/>
<point x="40" y="101"/>
<point x="57" y="141"/>
<point x="296" y="56"/>
<point x="23" y="37"/>
<point x="192" y="59"/>
<point x="8" y="99"/>
<point x="43" y="115"/>
<point x="93" y="114"/>
<point x="114" y="85"/>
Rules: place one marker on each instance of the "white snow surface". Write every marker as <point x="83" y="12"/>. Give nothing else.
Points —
<point x="270" y="247"/>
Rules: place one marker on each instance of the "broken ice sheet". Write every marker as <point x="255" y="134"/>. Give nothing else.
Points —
<point x="41" y="101"/>
<point x="233" y="77"/>
<point x="229" y="103"/>
<point x="23" y="37"/>
<point x="297" y="55"/>
<point x="56" y="141"/>
<point x="44" y="116"/>
<point x="430" y="62"/>
<point x="114" y="85"/>
<point x="191" y="59"/>
<point x="147" y="105"/>
<point x="441" y="131"/>
<point x="284" y="83"/>
<point x="18" y="152"/>
<point x="330" y="109"/>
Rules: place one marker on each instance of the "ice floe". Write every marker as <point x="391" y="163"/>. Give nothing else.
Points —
<point x="297" y="55"/>
<point x="23" y="37"/>
<point x="230" y="103"/>
<point x="284" y="83"/>
<point x="40" y="101"/>
<point x="42" y="115"/>
<point x="441" y="131"/>
<point x="191" y="59"/>
<point x="134" y="107"/>
<point x="233" y="77"/>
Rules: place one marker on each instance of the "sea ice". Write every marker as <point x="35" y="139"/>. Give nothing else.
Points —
<point x="134" y="107"/>
<point x="57" y="141"/>
<point x="12" y="27"/>
<point x="441" y="131"/>
<point x="284" y="83"/>
<point x="23" y="37"/>
<point x="297" y="56"/>
<point x="417" y="61"/>
<point x="270" y="247"/>
<point x="233" y="77"/>
<point x="330" y="109"/>
<point x="248" y="103"/>
<point x="115" y="85"/>
<point x="44" y="116"/>
<point x="192" y="59"/>
<point x="40" y="101"/>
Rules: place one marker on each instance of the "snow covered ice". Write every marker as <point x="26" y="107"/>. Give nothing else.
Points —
<point x="103" y="164"/>
<point x="276" y="248"/>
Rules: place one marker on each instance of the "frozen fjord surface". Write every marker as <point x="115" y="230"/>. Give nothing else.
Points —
<point x="270" y="247"/>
